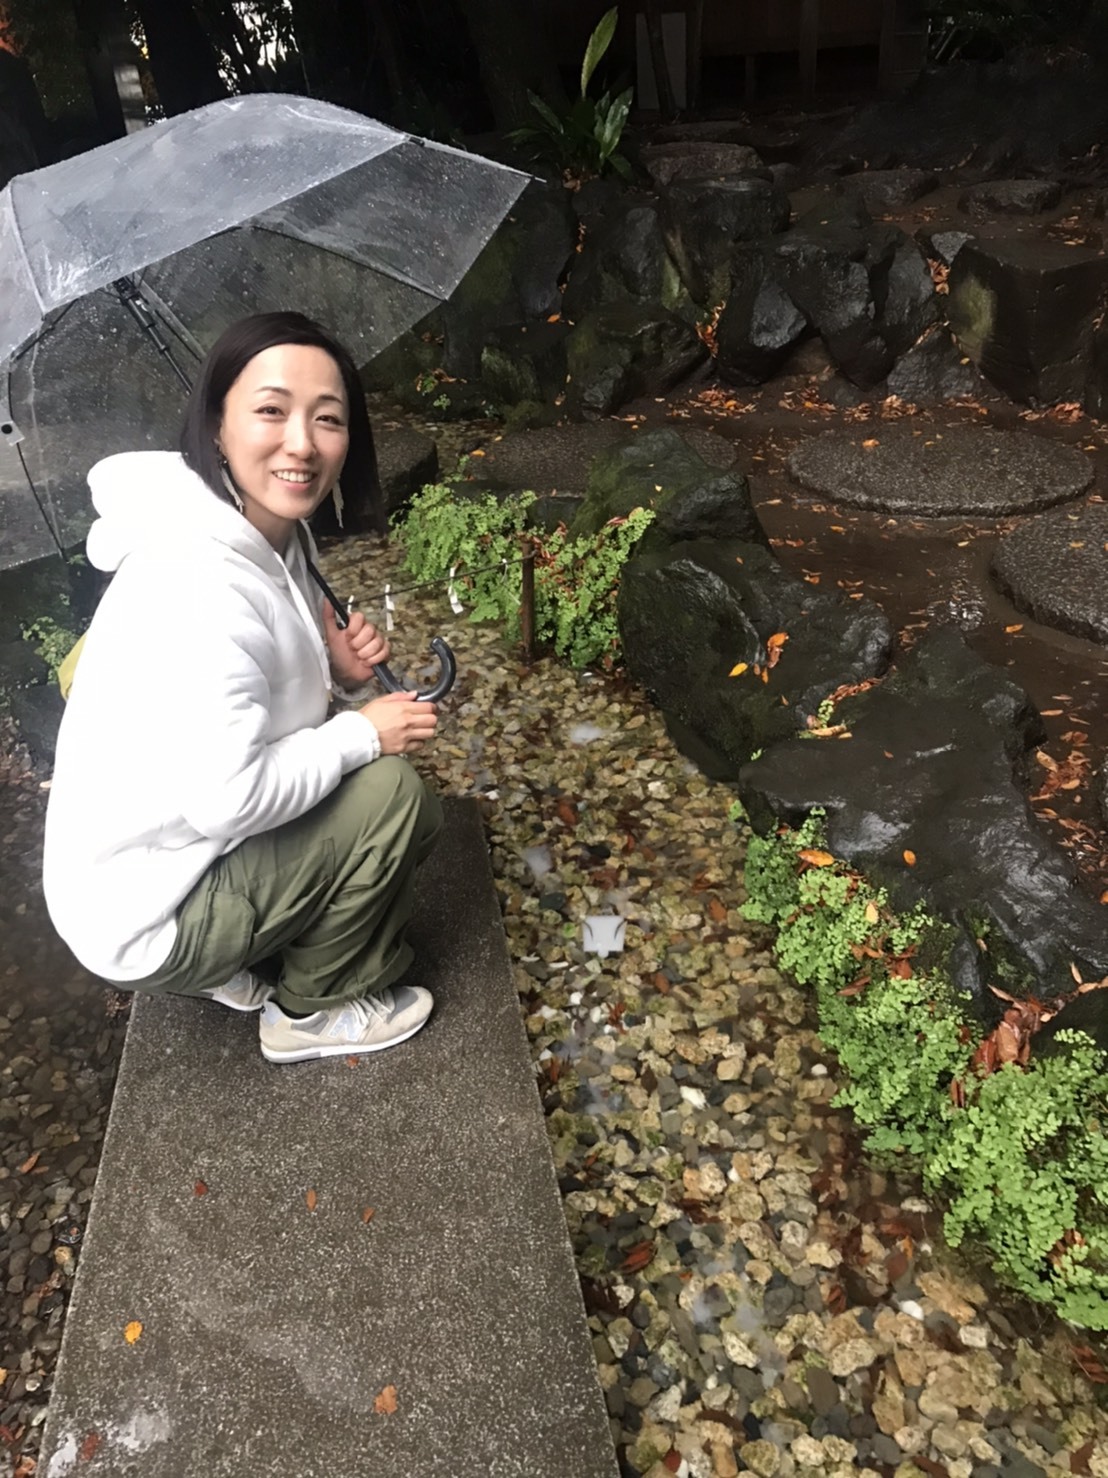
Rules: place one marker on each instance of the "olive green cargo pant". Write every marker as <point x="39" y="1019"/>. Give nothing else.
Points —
<point x="329" y="894"/>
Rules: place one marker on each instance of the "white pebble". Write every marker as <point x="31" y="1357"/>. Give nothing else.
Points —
<point x="911" y="1308"/>
<point x="818" y="1070"/>
<point x="695" y="1096"/>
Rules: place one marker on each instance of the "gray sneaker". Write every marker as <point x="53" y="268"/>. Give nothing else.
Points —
<point x="243" y="992"/>
<point x="365" y="1025"/>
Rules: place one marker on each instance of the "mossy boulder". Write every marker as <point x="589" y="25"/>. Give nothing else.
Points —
<point x="737" y="652"/>
<point x="660" y="470"/>
<point x="624" y="350"/>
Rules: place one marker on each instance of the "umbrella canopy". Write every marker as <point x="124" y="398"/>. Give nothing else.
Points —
<point x="248" y="205"/>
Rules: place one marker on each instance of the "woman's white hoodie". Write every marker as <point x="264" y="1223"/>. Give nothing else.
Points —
<point x="197" y="716"/>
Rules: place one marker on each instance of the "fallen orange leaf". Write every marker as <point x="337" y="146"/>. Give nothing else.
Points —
<point x="1018" y="626"/>
<point x="815" y="858"/>
<point x="385" y="1403"/>
<point x="738" y="669"/>
<point x="870" y="442"/>
<point x="910" y="858"/>
<point x="29" y="1163"/>
<point x="133" y="1332"/>
<point x="312" y="1199"/>
<point x="368" y="1214"/>
<point x="200" y="1189"/>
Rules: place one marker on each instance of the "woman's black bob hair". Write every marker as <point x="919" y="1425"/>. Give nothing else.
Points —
<point x="363" y="505"/>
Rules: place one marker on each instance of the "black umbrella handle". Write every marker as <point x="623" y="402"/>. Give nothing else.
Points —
<point x="448" y="671"/>
<point x="448" y="668"/>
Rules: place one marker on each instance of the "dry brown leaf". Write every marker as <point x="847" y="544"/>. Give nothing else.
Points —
<point x="385" y="1403"/>
<point x="87" y="1450"/>
<point x="369" y="1213"/>
<point x="200" y="1188"/>
<point x="29" y="1163"/>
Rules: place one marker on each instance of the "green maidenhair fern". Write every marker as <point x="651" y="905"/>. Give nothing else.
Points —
<point x="576" y="581"/>
<point x="1019" y="1158"/>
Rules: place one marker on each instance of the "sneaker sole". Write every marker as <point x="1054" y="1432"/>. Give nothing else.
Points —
<point x="309" y="1054"/>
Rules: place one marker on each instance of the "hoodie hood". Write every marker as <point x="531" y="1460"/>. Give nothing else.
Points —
<point x="145" y="497"/>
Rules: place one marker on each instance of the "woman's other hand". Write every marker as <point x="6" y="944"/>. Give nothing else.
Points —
<point x="354" y="651"/>
<point x="403" y="724"/>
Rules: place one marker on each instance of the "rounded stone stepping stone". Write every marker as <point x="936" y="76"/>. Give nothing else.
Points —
<point x="1054" y="568"/>
<point x="556" y="459"/>
<point x="941" y="472"/>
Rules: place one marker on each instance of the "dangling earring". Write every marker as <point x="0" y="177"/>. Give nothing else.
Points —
<point x="229" y="484"/>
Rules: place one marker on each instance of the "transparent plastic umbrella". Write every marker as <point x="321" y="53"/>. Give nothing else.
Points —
<point x="247" y="205"/>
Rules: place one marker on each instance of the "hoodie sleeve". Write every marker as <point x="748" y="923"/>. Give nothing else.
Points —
<point x="236" y="779"/>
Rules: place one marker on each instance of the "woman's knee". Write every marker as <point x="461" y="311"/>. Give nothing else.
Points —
<point x="393" y="781"/>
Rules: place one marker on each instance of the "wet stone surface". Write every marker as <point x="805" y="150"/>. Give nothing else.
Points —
<point x="956" y="470"/>
<point x="1053" y="567"/>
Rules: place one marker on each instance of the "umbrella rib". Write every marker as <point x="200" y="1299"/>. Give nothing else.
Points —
<point x="18" y="234"/>
<point x="377" y="267"/>
<point x="47" y="520"/>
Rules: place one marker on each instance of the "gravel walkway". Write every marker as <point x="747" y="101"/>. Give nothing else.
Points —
<point x="759" y="1298"/>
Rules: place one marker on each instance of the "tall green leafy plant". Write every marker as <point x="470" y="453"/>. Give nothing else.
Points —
<point x="585" y="141"/>
<point x="576" y="580"/>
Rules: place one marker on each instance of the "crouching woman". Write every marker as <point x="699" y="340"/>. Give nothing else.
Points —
<point x="206" y="812"/>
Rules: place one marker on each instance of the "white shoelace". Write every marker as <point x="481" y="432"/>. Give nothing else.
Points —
<point x="360" y="1014"/>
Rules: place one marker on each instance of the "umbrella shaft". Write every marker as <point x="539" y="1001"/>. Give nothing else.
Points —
<point x="130" y="295"/>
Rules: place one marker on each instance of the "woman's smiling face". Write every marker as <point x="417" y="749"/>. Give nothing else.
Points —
<point x="285" y="435"/>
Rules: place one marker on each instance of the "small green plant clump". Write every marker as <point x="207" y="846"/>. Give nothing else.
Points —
<point x="576" y="580"/>
<point x="585" y="142"/>
<point x="52" y="641"/>
<point x="1019" y="1154"/>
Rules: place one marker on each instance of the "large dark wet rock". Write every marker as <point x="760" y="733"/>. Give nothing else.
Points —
<point x="624" y="350"/>
<point x="1011" y="197"/>
<point x="690" y="612"/>
<point x="406" y="462"/>
<point x="865" y="289"/>
<point x="941" y="472"/>
<point x="942" y="245"/>
<point x="624" y="256"/>
<point x="1025" y="313"/>
<point x="760" y="324"/>
<point x="934" y="769"/>
<point x="1053" y="568"/>
<point x="658" y="469"/>
<point x="705" y="220"/>
<point x="525" y="365"/>
<point x="698" y="159"/>
<point x="933" y="371"/>
<point x="882" y="190"/>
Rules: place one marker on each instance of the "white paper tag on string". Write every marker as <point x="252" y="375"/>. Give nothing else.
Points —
<point x="390" y="609"/>
<point x="603" y="934"/>
<point x="452" y="595"/>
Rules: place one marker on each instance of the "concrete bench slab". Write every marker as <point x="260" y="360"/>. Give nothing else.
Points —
<point x="238" y="1313"/>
